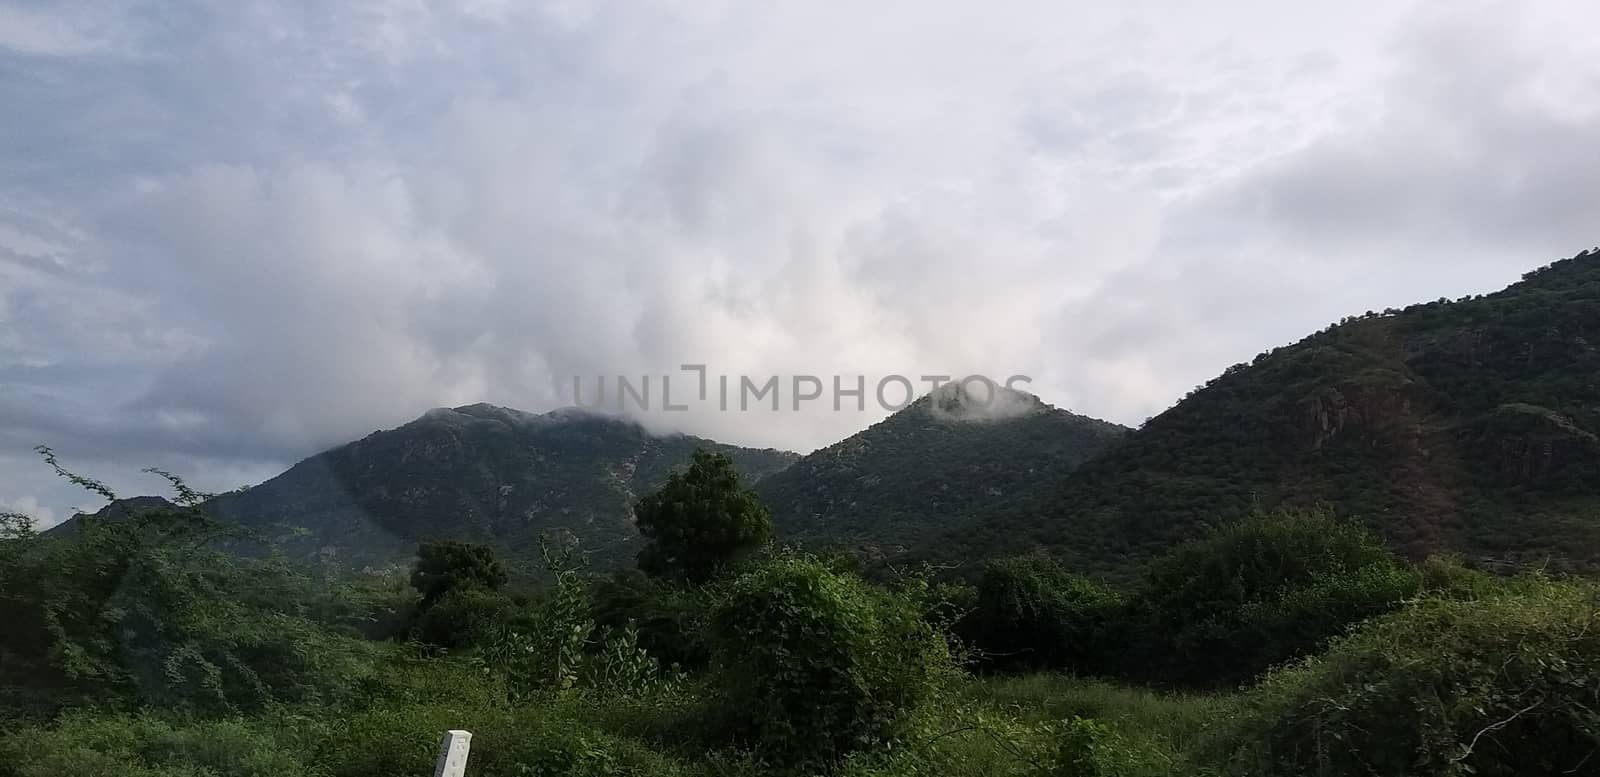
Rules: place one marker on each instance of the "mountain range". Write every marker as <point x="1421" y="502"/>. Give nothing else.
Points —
<point x="479" y="473"/>
<point x="506" y="477"/>
<point x="1469" y="426"/>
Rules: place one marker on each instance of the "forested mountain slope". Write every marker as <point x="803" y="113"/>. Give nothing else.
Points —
<point x="1466" y="426"/>
<point x="930" y="467"/>
<point x="481" y="473"/>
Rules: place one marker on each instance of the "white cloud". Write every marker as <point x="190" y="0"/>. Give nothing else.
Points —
<point x="288" y="223"/>
<point x="50" y="32"/>
<point x="43" y="517"/>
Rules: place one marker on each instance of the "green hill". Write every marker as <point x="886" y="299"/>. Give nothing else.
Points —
<point x="928" y="468"/>
<point x="1467" y="426"/>
<point x="479" y="473"/>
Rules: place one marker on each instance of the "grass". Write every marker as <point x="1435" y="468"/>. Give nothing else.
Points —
<point x="1171" y="724"/>
<point x="983" y="727"/>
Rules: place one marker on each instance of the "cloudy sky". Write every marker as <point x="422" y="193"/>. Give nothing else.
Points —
<point x="234" y="232"/>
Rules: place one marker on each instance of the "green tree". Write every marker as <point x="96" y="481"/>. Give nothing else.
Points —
<point x="701" y="522"/>
<point x="448" y="565"/>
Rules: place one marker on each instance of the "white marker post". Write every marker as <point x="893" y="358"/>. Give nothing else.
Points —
<point x="453" y="754"/>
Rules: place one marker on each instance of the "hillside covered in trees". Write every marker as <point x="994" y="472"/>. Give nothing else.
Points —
<point x="930" y="467"/>
<point x="479" y="473"/>
<point x="1467" y="425"/>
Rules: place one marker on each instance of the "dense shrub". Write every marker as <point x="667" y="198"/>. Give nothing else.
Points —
<point x="671" y="620"/>
<point x="1260" y="592"/>
<point x="462" y="618"/>
<point x="1031" y="612"/>
<point x="811" y="664"/>
<point x="1500" y="687"/>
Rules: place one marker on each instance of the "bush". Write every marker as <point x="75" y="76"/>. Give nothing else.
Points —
<point x="672" y="621"/>
<point x="1501" y="687"/>
<point x="811" y="664"/>
<point x="1262" y="592"/>
<point x="1032" y="613"/>
<point x="462" y="618"/>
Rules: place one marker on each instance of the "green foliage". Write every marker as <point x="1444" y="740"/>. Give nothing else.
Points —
<point x="88" y="745"/>
<point x="812" y="665"/>
<point x="560" y="648"/>
<point x="1089" y="748"/>
<point x="1499" y="687"/>
<point x="1264" y="591"/>
<point x="463" y="618"/>
<point x="701" y="522"/>
<point x="1166" y="726"/>
<point x="138" y="612"/>
<point x="444" y="566"/>
<point x="1031" y="612"/>
<point x="398" y="731"/>
<point x="1448" y="577"/>
<point x="15" y="526"/>
<point x="672" y="621"/>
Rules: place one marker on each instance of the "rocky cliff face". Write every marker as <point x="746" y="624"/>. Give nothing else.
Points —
<point x="1535" y="446"/>
<point x="1375" y="408"/>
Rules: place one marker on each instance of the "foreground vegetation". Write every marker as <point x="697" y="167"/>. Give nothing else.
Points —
<point x="1284" y="644"/>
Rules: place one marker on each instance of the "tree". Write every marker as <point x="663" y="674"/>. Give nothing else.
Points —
<point x="448" y="565"/>
<point x="701" y="522"/>
<point x="16" y="526"/>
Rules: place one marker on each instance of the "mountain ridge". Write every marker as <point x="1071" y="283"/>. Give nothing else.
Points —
<point x="477" y="472"/>
<point x="929" y="467"/>
<point x="1464" y="426"/>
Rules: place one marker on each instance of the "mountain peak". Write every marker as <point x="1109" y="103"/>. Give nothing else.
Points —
<point x="936" y="464"/>
<point x="958" y="402"/>
<point x="484" y="411"/>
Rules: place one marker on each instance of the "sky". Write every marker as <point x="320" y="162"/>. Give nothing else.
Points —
<point x="236" y="232"/>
